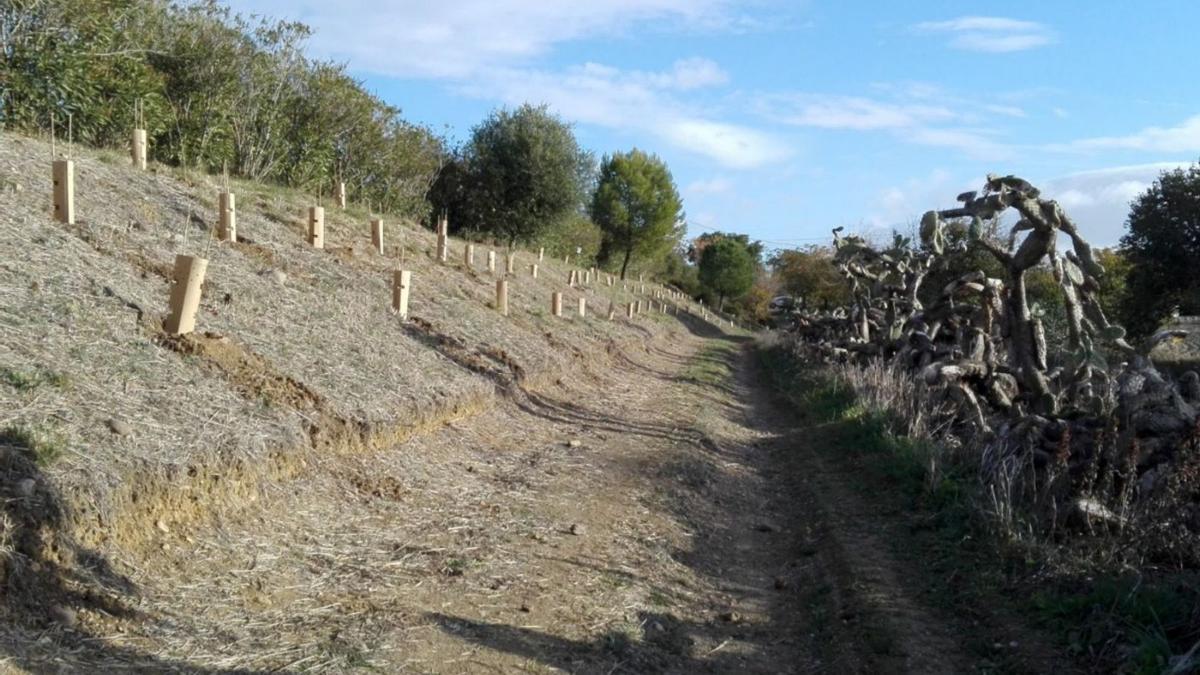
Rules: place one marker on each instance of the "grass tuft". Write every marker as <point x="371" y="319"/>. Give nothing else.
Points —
<point x="41" y="443"/>
<point x="29" y="380"/>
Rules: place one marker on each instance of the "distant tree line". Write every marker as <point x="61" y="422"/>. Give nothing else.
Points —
<point x="219" y="92"/>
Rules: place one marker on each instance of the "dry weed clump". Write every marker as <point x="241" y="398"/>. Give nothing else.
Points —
<point x="1129" y="520"/>
<point x="914" y="409"/>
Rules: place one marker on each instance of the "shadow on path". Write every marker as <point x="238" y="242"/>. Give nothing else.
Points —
<point x="663" y="647"/>
<point x="48" y="579"/>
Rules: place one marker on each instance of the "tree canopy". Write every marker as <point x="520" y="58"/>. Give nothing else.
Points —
<point x="810" y="275"/>
<point x="1162" y="247"/>
<point x="218" y="91"/>
<point x="637" y="207"/>
<point x="520" y="174"/>
<point x="697" y="246"/>
<point x="727" y="268"/>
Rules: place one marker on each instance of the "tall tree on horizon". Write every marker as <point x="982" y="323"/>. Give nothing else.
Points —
<point x="1162" y="248"/>
<point x="638" y="208"/>
<point x="727" y="269"/>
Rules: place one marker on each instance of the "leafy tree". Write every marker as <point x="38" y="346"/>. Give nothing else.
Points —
<point x="809" y="274"/>
<point x="217" y="90"/>
<point x="200" y="49"/>
<point x="1114" y="285"/>
<point x="755" y="304"/>
<point x="677" y="272"/>
<point x="1162" y="247"/>
<point x="519" y="175"/>
<point x="576" y="236"/>
<point x="450" y="194"/>
<point x="727" y="269"/>
<point x="83" y="58"/>
<point x="697" y="246"/>
<point x="637" y="206"/>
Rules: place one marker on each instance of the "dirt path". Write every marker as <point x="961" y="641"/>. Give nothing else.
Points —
<point x="652" y="513"/>
<point x="862" y="600"/>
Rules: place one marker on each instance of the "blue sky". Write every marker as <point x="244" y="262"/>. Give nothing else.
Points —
<point x="784" y="120"/>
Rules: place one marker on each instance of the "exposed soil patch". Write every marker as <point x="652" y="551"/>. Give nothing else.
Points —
<point x="250" y="374"/>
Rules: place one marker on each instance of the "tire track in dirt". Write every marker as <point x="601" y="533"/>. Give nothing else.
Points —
<point x="643" y="515"/>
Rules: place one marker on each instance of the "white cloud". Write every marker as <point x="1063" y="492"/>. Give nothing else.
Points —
<point x="710" y="186"/>
<point x="456" y="39"/>
<point x="693" y="73"/>
<point x="1182" y="138"/>
<point x="896" y="207"/>
<point x="984" y="42"/>
<point x="485" y="48"/>
<point x="1072" y="198"/>
<point x="920" y="123"/>
<point x="636" y="101"/>
<point x="990" y="33"/>
<point x="975" y="143"/>
<point x="1098" y="201"/>
<point x="734" y="146"/>
<point x="850" y="112"/>
<point x="981" y="23"/>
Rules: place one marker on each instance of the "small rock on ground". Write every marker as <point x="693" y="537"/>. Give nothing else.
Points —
<point x="119" y="427"/>
<point x="63" y="616"/>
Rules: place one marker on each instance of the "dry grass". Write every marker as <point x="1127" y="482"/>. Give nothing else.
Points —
<point x="455" y="552"/>
<point x="149" y="430"/>
<point x="888" y="389"/>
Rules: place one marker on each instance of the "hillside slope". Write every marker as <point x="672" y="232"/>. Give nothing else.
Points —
<point x="113" y="429"/>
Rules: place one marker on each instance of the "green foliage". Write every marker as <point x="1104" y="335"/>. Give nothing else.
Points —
<point x="637" y="206"/>
<point x="754" y="304"/>
<point x="677" y="272"/>
<point x="576" y="236"/>
<point x="28" y="380"/>
<point x="1114" y="284"/>
<point x="970" y="257"/>
<point x="218" y="91"/>
<point x="697" y="246"/>
<point x="1162" y="248"/>
<point x="1146" y="617"/>
<point x="75" y="57"/>
<point x="41" y="443"/>
<point x="1046" y="303"/>
<point x="521" y="175"/>
<point x="727" y="269"/>
<point x="809" y="274"/>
